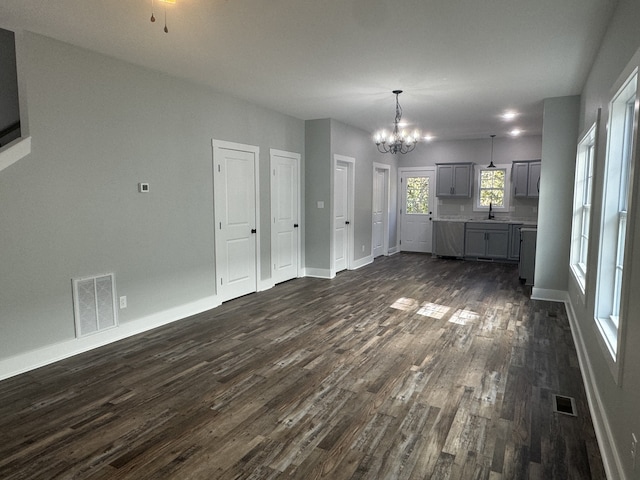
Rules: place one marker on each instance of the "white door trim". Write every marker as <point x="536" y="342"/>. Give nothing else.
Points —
<point x="295" y="157"/>
<point x="350" y="163"/>
<point x="401" y="173"/>
<point x="385" y="221"/>
<point x="222" y="144"/>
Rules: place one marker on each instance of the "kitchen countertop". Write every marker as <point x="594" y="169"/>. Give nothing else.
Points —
<point x="526" y="222"/>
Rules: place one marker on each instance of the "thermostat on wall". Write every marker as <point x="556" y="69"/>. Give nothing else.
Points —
<point x="143" y="187"/>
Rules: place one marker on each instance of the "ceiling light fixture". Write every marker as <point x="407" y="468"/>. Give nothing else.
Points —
<point x="491" y="165"/>
<point x="509" y="115"/>
<point x="515" y="132"/>
<point x="153" y="18"/>
<point x="397" y="141"/>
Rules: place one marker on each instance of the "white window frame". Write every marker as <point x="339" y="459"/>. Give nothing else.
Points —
<point x="507" y="189"/>
<point x="614" y="256"/>
<point x="582" y="199"/>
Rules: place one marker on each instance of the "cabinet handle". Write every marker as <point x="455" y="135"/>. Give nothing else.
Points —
<point x="538" y="185"/>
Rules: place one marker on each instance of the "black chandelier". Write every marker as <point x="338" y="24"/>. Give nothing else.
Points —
<point x="397" y="141"/>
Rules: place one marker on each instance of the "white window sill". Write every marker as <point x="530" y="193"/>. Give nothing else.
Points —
<point x="580" y="278"/>
<point x="607" y="339"/>
<point x="14" y="151"/>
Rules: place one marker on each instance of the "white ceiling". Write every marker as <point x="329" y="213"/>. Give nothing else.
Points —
<point x="461" y="63"/>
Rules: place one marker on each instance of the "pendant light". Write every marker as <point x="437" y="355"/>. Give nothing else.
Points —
<point x="153" y="17"/>
<point x="491" y="165"/>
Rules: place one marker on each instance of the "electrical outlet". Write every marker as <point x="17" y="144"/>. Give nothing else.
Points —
<point x="634" y="449"/>
<point x="123" y="301"/>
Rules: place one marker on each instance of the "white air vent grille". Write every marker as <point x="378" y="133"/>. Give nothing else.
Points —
<point x="94" y="304"/>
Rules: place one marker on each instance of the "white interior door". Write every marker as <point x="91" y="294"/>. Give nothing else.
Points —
<point x="417" y="209"/>
<point x="343" y="200"/>
<point x="341" y="217"/>
<point x="380" y="227"/>
<point x="235" y="193"/>
<point x="285" y="200"/>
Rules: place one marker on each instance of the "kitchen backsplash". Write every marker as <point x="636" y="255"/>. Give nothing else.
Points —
<point x="522" y="209"/>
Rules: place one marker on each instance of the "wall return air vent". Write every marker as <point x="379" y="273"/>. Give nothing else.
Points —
<point x="94" y="304"/>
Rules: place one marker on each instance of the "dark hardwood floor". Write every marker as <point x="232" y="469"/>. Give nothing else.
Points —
<point x="411" y="368"/>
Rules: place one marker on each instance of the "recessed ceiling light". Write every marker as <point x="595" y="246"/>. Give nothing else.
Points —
<point x="509" y="115"/>
<point x="428" y="138"/>
<point x="515" y="132"/>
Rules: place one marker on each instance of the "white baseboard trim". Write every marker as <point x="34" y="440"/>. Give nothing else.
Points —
<point x="33" y="359"/>
<point x="549" y="295"/>
<point x="265" y="285"/>
<point x="362" y="262"/>
<point x="606" y="442"/>
<point x="394" y="250"/>
<point x="319" y="273"/>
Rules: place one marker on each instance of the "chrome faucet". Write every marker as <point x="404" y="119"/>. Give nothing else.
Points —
<point x="491" y="215"/>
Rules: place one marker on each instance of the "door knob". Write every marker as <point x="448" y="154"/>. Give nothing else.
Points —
<point x="347" y="222"/>
<point x="253" y="230"/>
<point x="295" y="225"/>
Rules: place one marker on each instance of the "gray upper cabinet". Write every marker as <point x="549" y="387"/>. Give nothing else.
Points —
<point x="526" y="178"/>
<point x="534" y="179"/>
<point x="454" y="179"/>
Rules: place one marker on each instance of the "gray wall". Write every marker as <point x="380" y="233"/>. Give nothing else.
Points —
<point x="559" y="142"/>
<point x="318" y="177"/>
<point x="478" y="151"/>
<point x="353" y="142"/>
<point x="325" y="138"/>
<point x="71" y="208"/>
<point x="620" y="403"/>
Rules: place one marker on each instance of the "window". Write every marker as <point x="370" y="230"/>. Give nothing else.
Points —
<point x="417" y="195"/>
<point x="15" y="142"/>
<point x="492" y="185"/>
<point x="615" y="205"/>
<point x="582" y="195"/>
<point x="9" y="109"/>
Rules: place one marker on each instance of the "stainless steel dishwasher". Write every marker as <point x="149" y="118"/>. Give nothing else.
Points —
<point x="448" y="238"/>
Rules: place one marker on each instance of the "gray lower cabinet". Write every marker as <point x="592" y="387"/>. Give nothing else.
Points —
<point x="527" y="265"/>
<point x="485" y="240"/>
<point x="514" y="241"/>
